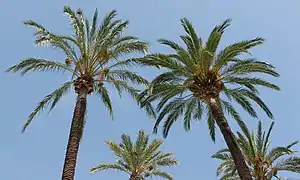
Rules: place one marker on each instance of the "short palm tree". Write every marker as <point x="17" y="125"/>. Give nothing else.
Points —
<point x="93" y="55"/>
<point x="263" y="161"/>
<point x="198" y="76"/>
<point x="140" y="159"/>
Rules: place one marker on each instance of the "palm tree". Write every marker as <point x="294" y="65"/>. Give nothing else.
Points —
<point x="140" y="159"/>
<point x="93" y="60"/>
<point x="197" y="75"/>
<point x="263" y="161"/>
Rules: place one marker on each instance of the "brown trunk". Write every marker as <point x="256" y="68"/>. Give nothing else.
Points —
<point x="239" y="159"/>
<point x="134" y="176"/>
<point x="75" y="135"/>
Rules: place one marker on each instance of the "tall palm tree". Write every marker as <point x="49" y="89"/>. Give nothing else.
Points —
<point x="140" y="159"/>
<point x="263" y="161"/>
<point x="93" y="55"/>
<point x="196" y="79"/>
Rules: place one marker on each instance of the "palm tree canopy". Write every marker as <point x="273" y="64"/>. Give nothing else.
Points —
<point x="198" y="71"/>
<point x="93" y="55"/>
<point x="140" y="157"/>
<point x="264" y="162"/>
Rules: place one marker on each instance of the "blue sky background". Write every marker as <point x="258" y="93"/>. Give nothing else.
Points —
<point x="39" y="153"/>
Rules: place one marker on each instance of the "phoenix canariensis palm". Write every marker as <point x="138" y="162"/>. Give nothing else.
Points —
<point x="140" y="159"/>
<point x="93" y="55"/>
<point x="263" y="161"/>
<point x="198" y="79"/>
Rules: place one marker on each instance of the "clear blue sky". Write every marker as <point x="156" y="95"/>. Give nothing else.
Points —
<point x="39" y="153"/>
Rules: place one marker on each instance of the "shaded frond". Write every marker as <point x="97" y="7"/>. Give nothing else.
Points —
<point x="159" y="173"/>
<point x="126" y="75"/>
<point x="104" y="94"/>
<point x="51" y="99"/>
<point x="37" y="65"/>
<point x="102" y="167"/>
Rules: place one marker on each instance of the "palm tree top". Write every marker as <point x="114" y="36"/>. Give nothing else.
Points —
<point x="263" y="161"/>
<point x="198" y="72"/>
<point x="93" y="57"/>
<point x="142" y="158"/>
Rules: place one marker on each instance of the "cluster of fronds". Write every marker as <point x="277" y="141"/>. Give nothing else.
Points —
<point x="199" y="67"/>
<point x="93" y="51"/>
<point x="264" y="162"/>
<point x="141" y="158"/>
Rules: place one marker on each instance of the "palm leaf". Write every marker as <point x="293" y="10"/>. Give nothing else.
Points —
<point x="51" y="98"/>
<point x="37" y="65"/>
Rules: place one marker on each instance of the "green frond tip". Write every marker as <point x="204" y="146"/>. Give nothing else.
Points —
<point x="68" y="9"/>
<point x="34" y="24"/>
<point x="224" y="25"/>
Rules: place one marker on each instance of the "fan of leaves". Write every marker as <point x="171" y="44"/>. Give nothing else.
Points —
<point x="264" y="162"/>
<point x="141" y="158"/>
<point x="198" y="70"/>
<point x="94" y="51"/>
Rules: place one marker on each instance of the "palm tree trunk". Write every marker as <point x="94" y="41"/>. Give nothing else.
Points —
<point x="134" y="176"/>
<point x="238" y="157"/>
<point x="75" y="135"/>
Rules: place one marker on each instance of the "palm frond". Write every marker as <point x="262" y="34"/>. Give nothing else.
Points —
<point x="266" y="144"/>
<point x="190" y="107"/>
<point x="249" y="66"/>
<point x="241" y="99"/>
<point x="115" y="148"/>
<point x="38" y="65"/>
<point x="76" y="23"/>
<point x="102" y="167"/>
<point x="105" y="97"/>
<point x="126" y="63"/>
<point x="160" y="173"/>
<point x="45" y="37"/>
<point x="215" y="36"/>
<point x="291" y="164"/>
<point x="248" y="82"/>
<point x="174" y="109"/>
<point x="94" y="25"/>
<point x="166" y="62"/>
<point x="126" y="75"/>
<point x="50" y="99"/>
<point x="141" y="158"/>
<point x="255" y="146"/>
<point x="234" y="50"/>
<point x="211" y="125"/>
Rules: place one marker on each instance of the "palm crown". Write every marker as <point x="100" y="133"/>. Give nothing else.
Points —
<point x="92" y="58"/>
<point x="263" y="161"/>
<point x="196" y="72"/>
<point x="140" y="159"/>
